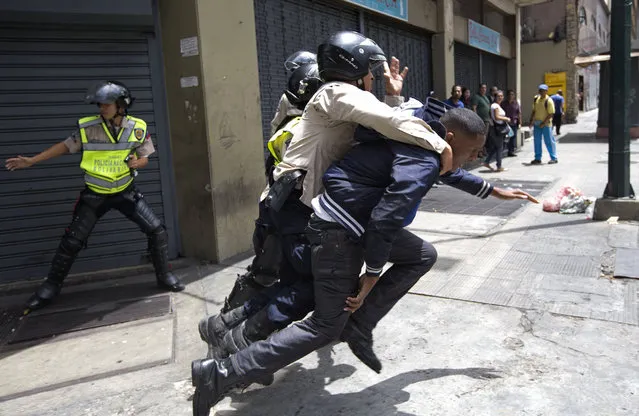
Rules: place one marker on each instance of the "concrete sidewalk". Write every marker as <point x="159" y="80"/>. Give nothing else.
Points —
<point x="516" y="318"/>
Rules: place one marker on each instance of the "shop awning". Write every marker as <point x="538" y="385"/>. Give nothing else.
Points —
<point x="593" y="59"/>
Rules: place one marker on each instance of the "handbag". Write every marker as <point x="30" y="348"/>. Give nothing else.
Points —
<point x="502" y="129"/>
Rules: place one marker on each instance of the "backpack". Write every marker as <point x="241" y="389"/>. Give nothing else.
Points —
<point x="537" y="97"/>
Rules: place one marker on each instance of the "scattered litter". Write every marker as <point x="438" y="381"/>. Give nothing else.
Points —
<point x="613" y="220"/>
<point x="570" y="200"/>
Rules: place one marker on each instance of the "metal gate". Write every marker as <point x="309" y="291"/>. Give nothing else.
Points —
<point x="44" y="73"/>
<point x="467" y="67"/>
<point x="411" y="46"/>
<point x="494" y="71"/>
<point x="285" y="26"/>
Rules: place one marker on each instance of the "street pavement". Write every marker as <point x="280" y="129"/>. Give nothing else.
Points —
<point x="520" y="316"/>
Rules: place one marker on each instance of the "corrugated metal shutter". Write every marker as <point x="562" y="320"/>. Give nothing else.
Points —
<point x="411" y="46"/>
<point x="285" y="26"/>
<point x="44" y="74"/>
<point x="495" y="71"/>
<point x="467" y="67"/>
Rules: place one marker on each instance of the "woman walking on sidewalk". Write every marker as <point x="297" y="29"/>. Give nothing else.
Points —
<point x="497" y="132"/>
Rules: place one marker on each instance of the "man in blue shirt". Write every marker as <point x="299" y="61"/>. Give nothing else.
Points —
<point x="455" y="97"/>
<point x="558" y="100"/>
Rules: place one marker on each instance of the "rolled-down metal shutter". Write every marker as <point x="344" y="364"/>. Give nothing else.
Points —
<point x="44" y="74"/>
<point x="495" y="71"/>
<point x="411" y="46"/>
<point x="467" y="67"/>
<point x="285" y="26"/>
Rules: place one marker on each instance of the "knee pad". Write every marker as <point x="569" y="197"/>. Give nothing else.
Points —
<point x="158" y="236"/>
<point x="71" y="244"/>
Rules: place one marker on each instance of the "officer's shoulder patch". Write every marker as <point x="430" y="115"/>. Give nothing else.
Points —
<point x="139" y="133"/>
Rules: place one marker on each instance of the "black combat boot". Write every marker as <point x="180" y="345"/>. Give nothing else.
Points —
<point x="256" y="328"/>
<point x="212" y="379"/>
<point x="159" y="250"/>
<point x="51" y="287"/>
<point x="244" y="289"/>
<point x="360" y="342"/>
<point x="214" y="328"/>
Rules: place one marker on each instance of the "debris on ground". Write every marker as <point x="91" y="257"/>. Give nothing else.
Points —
<point x="570" y="200"/>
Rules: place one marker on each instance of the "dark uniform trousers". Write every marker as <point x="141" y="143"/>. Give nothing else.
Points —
<point x="89" y="208"/>
<point x="337" y="261"/>
<point x="291" y="298"/>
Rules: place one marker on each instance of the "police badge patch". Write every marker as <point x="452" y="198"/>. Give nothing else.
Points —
<point x="139" y="133"/>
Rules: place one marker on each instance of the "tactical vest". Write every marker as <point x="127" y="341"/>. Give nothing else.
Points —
<point x="105" y="170"/>
<point x="278" y="142"/>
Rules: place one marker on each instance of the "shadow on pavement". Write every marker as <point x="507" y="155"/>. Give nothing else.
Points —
<point x="311" y="397"/>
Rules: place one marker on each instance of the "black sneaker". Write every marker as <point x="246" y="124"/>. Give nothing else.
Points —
<point x="553" y="162"/>
<point x="536" y="162"/>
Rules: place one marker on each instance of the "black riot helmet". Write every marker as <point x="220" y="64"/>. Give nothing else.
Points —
<point x="108" y="92"/>
<point x="348" y="56"/>
<point x="303" y="83"/>
<point x="298" y="59"/>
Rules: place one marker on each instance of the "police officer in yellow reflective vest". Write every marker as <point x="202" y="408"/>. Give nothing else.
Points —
<point x="114" y="145"/>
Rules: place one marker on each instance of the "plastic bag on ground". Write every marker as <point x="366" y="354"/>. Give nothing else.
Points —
<point x="568" y="200"/>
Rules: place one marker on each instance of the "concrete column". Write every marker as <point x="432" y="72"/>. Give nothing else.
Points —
<point x="230" y="82"/>
<point x="516" y="71"/>
<point x="518" y="52"/>
<point x="188" y="130"/>
<point x="572" y="80"/>
<point x="444" y="50"/>
<point x="215" y="118"/>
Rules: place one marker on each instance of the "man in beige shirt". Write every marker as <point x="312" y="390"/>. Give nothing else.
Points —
<point x="324" y="135"/>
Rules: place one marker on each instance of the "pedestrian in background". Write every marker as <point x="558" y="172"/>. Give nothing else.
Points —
<point x="512" y="108"/>
<point x="497" y="132"/>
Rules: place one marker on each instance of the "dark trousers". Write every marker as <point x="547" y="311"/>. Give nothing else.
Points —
<point x="89" y="208"/>
<point x="291" y="298"/>
<point x="494" y="146"/>
<point x="512" y="142"/>
<point x="337" y="260"/>
<point x="556" y="120"/>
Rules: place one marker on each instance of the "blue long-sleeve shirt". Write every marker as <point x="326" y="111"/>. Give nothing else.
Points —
<point x="379" y="185"/>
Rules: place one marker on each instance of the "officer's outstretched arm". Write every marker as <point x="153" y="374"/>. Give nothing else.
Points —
<point x="21" y="162"/>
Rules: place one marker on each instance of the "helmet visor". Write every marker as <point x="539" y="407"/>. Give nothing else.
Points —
<point x="376" y="64"/>
<point x="298" y="59"/>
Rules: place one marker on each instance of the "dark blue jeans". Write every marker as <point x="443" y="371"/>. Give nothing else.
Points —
<point x="290" y="299"/>
<point x="512" y="142"/>
<point x="337" y="263"/>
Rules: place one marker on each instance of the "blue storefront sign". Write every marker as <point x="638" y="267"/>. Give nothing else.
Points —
<point x="483" y="38"/>
<point x="394" y="8"/>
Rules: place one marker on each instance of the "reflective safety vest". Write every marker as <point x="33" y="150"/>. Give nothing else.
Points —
<point x="105" y="170"/>
<point x="279" y="141"/>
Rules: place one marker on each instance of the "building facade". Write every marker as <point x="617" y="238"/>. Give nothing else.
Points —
<point x="553" y="34"/>
<point x="207" y="76"/>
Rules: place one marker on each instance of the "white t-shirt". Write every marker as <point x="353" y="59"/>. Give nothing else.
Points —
<point x="500" y="111"/>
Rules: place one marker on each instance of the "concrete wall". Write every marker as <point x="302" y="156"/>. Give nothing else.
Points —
<point x="591" y="37"/>
<point x="232" y="99"/>
<point x="537" y="58"/>
<point x="178" y="20"/>
<point x="423" y="13"/>
<point x="542" y="19"/>
<point x="215" y="127"/>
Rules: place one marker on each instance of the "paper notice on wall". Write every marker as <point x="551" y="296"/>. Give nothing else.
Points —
<point x="187" y="82"/>
<point x="188" y="47"/>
